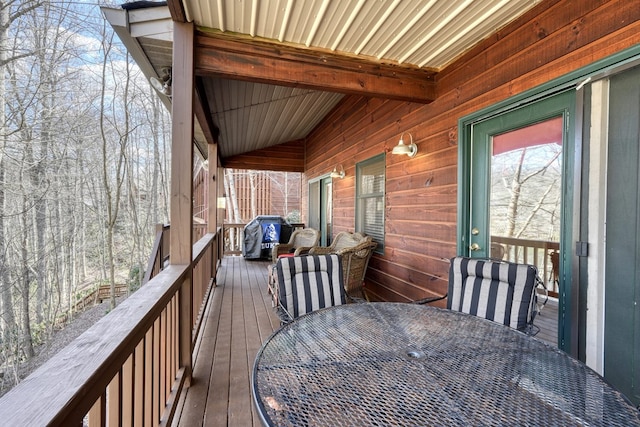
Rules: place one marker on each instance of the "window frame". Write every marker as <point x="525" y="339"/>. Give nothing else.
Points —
<point x="360" y="197"/>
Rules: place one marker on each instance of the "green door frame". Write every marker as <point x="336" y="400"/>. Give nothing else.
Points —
<point x="481" y="133"/>
<point x="571" y="81"/>
<point x="475" y="160"/>
<point x="318" y="219"/>
<point x="326" y="224"/>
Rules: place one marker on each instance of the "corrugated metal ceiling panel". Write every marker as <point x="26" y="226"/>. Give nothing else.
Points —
<point x="252" y="116"/>
<point x="422" y="33"/>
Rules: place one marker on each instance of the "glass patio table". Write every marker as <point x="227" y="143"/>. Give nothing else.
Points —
<point x="405" y="364"/>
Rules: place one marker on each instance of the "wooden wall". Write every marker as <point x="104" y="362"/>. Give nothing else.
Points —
<point x="287" y="157"/>
<point x="553" y="39"/>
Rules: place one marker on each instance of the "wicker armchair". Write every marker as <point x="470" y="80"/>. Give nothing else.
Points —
<point x="343" y="240"/>
<point x="356" y="250"/>
<point x="355" y="261"/>
<point x="306" y="237"/>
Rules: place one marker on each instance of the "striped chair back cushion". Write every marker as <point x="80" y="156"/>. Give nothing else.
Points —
<point x="496" y="290"/>
<point x="308" y="283"/>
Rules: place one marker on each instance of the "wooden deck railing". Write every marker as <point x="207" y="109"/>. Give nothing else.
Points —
<point x="131" y="366"/>
<point x="160" y="252"/>
<point x="233" y="238"/>
<point x="541" y="253"/>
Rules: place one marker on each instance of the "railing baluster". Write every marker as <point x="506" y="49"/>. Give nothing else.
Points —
<point x="97" y="413"/>
<point x="138" y="384"/>
<point x="114" y="401"/>
<point x="185" y="338"/>
<point x="127" y="392"/>
<point x="171" y="369"/>
<point x="546" y="260"/>
<point x="156" y="374"/>
<point x="148" y="378"/>
<point x="163" y="359"/>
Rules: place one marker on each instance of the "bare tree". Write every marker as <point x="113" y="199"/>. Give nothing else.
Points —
<point x="526" y="192"/>
<point x="10" y="12"/>
<point x="70" y="107"/>
<point x="112" y="180"/>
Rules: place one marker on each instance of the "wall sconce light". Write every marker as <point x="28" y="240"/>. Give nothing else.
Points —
<point x="221" y="203"/>
<point x="162" y="84"/>
<point x="336" y="174"/>
<point x="410" y="150"/>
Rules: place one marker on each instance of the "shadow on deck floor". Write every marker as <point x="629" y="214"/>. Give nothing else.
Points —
<point x="239" y="317"/>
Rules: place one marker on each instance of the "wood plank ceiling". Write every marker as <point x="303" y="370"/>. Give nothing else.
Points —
<point x="270" y="70"/>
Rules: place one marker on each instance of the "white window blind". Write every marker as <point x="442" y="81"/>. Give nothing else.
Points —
<point x="370" y="198"/>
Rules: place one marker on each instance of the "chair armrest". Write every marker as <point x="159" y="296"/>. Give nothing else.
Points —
<point x="279" y="249"/>
<point x="320" y="250"/>
<point x="429" y="299"/>
<point x="361" y="250"/>
<point x="303" y="250"/>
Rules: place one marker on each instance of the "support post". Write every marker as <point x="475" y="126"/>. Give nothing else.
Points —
<point x="212" y="212"/>
<point x="214" y="178"/>
<point x="181" y="248"/>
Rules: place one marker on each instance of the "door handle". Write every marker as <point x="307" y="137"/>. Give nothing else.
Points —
<point x="474" y="247"/>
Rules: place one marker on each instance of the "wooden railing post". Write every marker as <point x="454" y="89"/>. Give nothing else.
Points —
<point x="213" y="212"/>
<point x="183" y="83"/>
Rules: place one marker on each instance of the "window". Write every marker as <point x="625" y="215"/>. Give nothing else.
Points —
<point x="370" y="181"/>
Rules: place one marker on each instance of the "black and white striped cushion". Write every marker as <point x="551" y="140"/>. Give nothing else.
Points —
<point x="308" y="283"/>
<point x="498" y="291"/>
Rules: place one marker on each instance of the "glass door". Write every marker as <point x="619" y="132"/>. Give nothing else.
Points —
<point x="517" y="196"/>
<point x="523" y="188"/>
<point x="320" y="208"/>
<point x="326" y="211"/>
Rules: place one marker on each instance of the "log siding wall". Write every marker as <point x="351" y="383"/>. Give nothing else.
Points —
<point x="553" y="39"/>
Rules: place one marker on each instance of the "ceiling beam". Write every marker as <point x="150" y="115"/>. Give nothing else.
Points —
<point x="251" y="60"/>
<point x="203" y="113"/>
<point x="176" y="8"/>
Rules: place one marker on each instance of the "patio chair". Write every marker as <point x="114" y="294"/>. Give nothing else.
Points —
<point x="343" y="240"/>
<point x="308" y="283"/>
<point x="356" y="250"/>
<point x="496" y="290"/>
<point x="303" y="238"/>
<point x="355" y="261"/>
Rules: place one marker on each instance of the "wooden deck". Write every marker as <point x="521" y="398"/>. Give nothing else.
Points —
<point x="547" y="321"/>
<point x="238" y="319"/>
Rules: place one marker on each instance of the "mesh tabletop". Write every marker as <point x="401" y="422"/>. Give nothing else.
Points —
<point x="392" y="364"/>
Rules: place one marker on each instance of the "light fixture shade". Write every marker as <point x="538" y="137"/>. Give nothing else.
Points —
<point x="410" y="150"/>
<point x="162" y="85"/>
<point x="336" y="174"/>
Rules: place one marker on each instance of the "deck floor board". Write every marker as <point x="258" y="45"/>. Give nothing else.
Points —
<point x="237" y="320"/>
